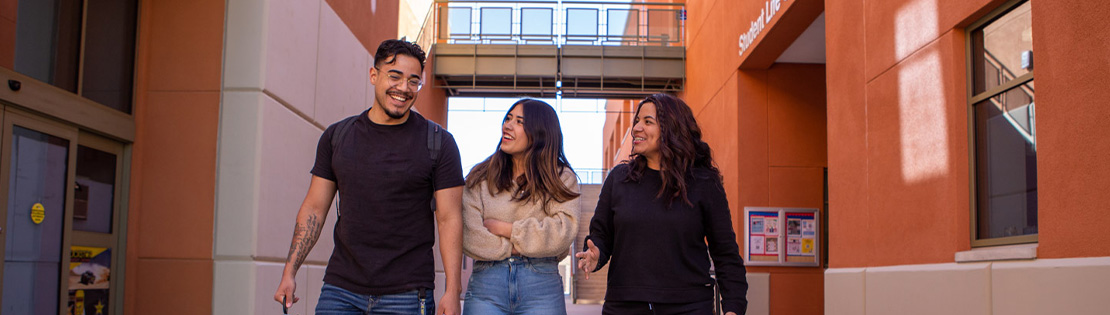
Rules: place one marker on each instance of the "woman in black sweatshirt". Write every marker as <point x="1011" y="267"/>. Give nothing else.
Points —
<point x="661" y="217"/>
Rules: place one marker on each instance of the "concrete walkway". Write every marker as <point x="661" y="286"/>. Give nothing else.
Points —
<point x="582" y="309"/>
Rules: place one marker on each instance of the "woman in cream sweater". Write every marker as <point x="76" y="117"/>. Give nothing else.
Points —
<point x="520" y="214"/>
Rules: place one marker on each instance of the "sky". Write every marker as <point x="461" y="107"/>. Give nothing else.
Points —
<point x="476" y="126"/>
<point x="476" y="122"/>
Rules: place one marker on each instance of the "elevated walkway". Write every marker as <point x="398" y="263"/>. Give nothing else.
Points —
<point x="548" y="48"/>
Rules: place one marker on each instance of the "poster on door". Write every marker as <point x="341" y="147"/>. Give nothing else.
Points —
<point x="89" y="280"/>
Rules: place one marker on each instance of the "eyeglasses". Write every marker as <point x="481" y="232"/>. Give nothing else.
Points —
<point x="395" y="79"/>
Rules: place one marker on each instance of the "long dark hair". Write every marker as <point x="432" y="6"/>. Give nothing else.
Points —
<point x="546" y="160"/>
<point x="681" y="148"/>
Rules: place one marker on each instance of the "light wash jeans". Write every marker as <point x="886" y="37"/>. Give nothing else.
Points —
<point x="337" y="301"/>
<point x="517" y="285"/>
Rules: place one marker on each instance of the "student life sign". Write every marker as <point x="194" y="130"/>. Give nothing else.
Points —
<point x="770" y="8"/>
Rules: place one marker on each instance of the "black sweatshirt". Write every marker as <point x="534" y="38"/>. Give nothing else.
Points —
<point x="659" y="254"/>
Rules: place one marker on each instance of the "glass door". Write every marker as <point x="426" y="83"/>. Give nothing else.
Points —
<point x="95" y="248"/>
<point x="37" y="169"/>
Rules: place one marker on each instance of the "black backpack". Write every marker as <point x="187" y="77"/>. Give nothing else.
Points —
<point x="435" y="138"/>
<point x="435" y="142"/>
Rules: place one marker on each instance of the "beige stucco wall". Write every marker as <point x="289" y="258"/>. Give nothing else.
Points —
<point x="411" y="16"/>
<point x="1040" y="286"/>
<point x="290" y="69"/>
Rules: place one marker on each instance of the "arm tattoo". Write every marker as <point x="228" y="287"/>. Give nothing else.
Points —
<point x="304" y="237"/>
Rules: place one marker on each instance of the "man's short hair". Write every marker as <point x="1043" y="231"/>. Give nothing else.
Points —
<point x="390" y="48"/>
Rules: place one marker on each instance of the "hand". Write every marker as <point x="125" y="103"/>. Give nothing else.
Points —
<point x="499" y="228"/>
<point x="285" y="291"/>
<point x="587" y="260"/>
<point x="449" y="303"/>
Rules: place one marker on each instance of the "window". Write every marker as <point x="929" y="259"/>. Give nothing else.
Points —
<point x="1003" y="119"/>
<point x="89" y="47"/>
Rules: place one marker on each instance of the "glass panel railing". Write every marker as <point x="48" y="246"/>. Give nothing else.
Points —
<point x="496" y="23"/>
<point x="554" y="22"/>
<point x="663" y="25"/>
<point x="622" y="25"/>
<point x="458" y="22"/>
<point x="581" y="24"/>
<point x="537" y="22"/>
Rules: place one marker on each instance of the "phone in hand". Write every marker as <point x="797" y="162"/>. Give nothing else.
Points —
<point x="284" y="309"/>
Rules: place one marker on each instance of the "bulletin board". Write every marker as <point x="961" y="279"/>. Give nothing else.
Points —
<point x="782" y="237"/>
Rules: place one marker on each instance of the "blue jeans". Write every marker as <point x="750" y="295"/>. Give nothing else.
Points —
<point x="337" y="301"/>
<point x="518" y="285"/>
<point x="645" y="308"/>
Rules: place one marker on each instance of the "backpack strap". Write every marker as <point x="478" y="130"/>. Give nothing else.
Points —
<point x="341" y="129"/>
<point x="435" y="139"/>
<point x="435" y="136"/>
<point x="435" y="144"/>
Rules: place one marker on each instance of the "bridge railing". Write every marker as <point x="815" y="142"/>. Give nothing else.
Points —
<point x="554" y="23"/>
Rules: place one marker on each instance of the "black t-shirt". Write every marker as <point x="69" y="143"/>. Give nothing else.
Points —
<point x="659" y="252"/>
<point x="386" y="179"/>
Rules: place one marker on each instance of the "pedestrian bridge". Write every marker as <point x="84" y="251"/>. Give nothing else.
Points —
<point x="576" y="49"/>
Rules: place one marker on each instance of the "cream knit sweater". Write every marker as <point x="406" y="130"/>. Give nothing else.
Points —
<point x="536" y="233"/>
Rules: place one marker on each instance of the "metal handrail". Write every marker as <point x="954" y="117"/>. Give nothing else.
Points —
<point x="430" y="31"/>
<point x="586" y="175"/>
<point x="423" y="38"/>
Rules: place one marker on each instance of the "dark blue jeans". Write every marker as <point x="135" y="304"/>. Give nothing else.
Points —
<point x="645" y="308"/>
<point x="518" y="285"/>
<point x="337" y="301"/>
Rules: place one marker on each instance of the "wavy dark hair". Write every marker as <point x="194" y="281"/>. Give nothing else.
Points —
<point x="546" y="160"/>
<point x="681" y="148"/>
<point x="390" y="48"/>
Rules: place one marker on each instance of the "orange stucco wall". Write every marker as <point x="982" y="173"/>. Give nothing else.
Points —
<point x="778" y="127"/>
<point x="847" y="172"/>
<point x="170" y="216"/>
<point x="1072" y="43"/>
<point x="618" y="121"/>
<point x="370" y="21"/>
<point x="765" y="123"/>
<point x="885" y="215"/>
<point x="888" y="116"/>
<point x="898" y="178"/>
<point x="431" y="101"/>
<point x="713" y="30"/>
<point x="882" y="217"/>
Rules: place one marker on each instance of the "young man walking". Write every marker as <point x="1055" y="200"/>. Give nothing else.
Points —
<point x="387" y="164"/>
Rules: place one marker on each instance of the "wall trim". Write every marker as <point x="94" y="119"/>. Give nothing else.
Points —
<point x="997" y="253"/>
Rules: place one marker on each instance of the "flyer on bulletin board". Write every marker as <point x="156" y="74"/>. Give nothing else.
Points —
<point x="757" y="225"/>
<point x="757" y="245"/>
<point x="807" y="246"/>
<point x="772" y="226"/>
<point x="794" y="246"/>
<point x="772" y="245"/>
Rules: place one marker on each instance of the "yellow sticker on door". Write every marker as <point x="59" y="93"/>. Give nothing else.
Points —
<point x="38" y="213"/>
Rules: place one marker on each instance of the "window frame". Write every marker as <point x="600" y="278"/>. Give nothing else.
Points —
<point x="973" y="99"/>
<point x="80" y="65"/>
